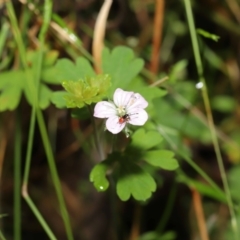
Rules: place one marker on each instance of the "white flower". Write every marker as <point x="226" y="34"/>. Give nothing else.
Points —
<point x="128" y="107"/>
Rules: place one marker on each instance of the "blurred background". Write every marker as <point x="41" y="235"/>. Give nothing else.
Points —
<point x="130" y="23"/>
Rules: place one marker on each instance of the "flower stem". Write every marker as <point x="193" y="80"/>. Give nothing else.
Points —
<point x="17" y="180"/>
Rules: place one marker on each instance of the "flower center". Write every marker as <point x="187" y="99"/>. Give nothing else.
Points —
<point x="121" y="111"/>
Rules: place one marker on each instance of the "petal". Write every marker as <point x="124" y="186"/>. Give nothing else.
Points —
<point x="121" y="98"/>
<point x="104" y="109"/>
<point x="137" y="101"/>
<point x="138" y="117"/>
<point x="113" y="125"/>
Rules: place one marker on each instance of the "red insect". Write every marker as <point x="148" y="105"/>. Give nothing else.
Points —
<point x="124" y="119"/>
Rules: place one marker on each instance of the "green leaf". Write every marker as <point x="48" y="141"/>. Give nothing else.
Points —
<point x="170" y="116"/>
<point x="50" y="58"/>
<point x="150" y="93"/>
<point x="161" y="158"/>
<point x="98" y="176"/>
<point x="234" y="179"/>
<point x="121" y="65"/>
<point x="78" y="93"/>
<point x="11" y="85"/>
<point x="48" y="75"/>
<point x="133" y="180"/>
<point x="10" y="98"/>
<point x="14" y="83"/>
<point x="145" y="140"/>
<point x="224" y="104"/>
<point x="86" y="91"/>
<point x="67" y="70"/>
<point x="58" y="99"/>
<point x="45" y="95"/>
<point x="101" y="82"/>
<point x="178" y="71"/>
<point x="207" y="34"/>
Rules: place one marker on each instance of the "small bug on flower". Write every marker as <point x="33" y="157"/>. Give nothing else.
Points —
<point x="124" y="118"/>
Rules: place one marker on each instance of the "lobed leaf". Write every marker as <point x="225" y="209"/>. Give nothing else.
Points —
<point x="121" y="65"/>
<point x="58" y="99"/>
<point x="133" y="180"/>
<point x="161" y="158"/>
<point x="67" y="70"/>
<point x="11" y="85"/>
<point x="98" y="176"/>
<point x="145" y="140"/>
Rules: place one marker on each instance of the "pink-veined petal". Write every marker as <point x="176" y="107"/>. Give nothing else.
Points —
<point x="121" y="97"/>
<point x="137" y="101"/>
<point x="113" y="125"/>
<point x="104" y="109"/>
<point x="138" y="117"/>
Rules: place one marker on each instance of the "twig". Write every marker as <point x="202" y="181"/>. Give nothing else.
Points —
<point x="157" y="35"/>
<point x="197" y="204"/>
<point x="99" y="33"/>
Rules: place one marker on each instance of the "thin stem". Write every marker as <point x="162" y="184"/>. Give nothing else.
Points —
<point x="197" y="203"/>
<point x="33" y="93"/>
<point x="3" y="35"/>
<point x="17" y="181"/>
<point x="29" y="146"/>
<point x="16" y="32"/>
<point x="209" y="116"/>
<point x="34" y="96"/>
<point x="54" y="174"/>
<point x="39" y="216"/>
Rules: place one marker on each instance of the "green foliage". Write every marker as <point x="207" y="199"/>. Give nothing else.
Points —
<point x="150" y="93"/>
<point x="82" y="84"/>
<point x="229" y="234"/>
<point x="98" y="176"/>
<point x="207" y="34"/>
<point x="169" y="114"/>
<point x="161" y="158"/>
<point x="145" y="140"/>
<point x="86" y="91"/>
<point x="202" y="188"/>
<point x="58" y="99"/>
<point x="14" y="83"/>
<point x="156" y="236"/>
<point x="67" y="70"/>
<point x="234" y="179"/>
<point x="178" y="70"/>
<point x="224" y="104"/>
<point x="128" y="170"/>
<point x="133" y="180"/>
<point x="121" y="64"/>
